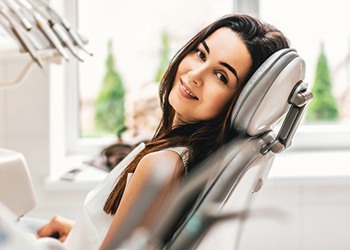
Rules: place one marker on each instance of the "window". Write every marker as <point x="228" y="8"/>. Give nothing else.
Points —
<point x="135" y="28"/>
<point x="310" y="29"/>
<point x="135" y="31"/>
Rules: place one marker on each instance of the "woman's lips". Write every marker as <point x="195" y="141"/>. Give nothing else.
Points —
<point x="186" y="92"/>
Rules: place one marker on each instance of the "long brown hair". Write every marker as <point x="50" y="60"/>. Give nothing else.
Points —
<point x="204" y="137"/>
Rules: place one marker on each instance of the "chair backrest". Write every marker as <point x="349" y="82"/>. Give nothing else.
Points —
<point x="265" y="97"/>
<point x="226" y="182"/>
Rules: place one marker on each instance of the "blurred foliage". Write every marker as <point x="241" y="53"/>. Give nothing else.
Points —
<point x="109" y="105"/>
<point x="164" y="57"/>
<point x="323" y="107"/>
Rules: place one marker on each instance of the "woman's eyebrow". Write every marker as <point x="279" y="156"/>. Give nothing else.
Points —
<point x="226" y="65"/>
<point x="230" y="68"/>
<point x="206" y="46"/>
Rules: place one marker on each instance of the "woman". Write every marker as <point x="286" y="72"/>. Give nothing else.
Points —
<point x="197" y="95"/>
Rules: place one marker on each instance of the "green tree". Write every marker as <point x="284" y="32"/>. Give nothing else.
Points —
<point x="323" y="106"/>
<point x="109" y="104"/>
<point x="164" y="57"/>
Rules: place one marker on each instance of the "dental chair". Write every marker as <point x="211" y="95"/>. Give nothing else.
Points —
<point x="208" y="211"/>
<point x="214" y="202"/>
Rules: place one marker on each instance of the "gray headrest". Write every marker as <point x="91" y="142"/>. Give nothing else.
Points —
<point x="264" y="99"/>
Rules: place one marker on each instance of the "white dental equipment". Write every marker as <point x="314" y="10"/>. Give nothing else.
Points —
<point x="16" y="190"/>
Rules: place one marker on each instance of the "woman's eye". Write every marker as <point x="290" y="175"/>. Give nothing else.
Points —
<point x="222" y="77"/>
<point x="200" y="54"/>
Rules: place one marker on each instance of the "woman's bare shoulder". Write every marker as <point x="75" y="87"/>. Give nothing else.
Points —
<point x="163" y="160"/>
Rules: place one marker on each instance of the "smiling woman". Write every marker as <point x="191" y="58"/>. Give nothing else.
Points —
<point x="197" y="93"/>
<point x="136" y="60"/>
<point x="205" y="81"/>
<point x="132" y="54"/>
<point x="119" y="22"/>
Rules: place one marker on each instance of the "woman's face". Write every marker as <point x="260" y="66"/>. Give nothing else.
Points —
<point x="207" y="78"/>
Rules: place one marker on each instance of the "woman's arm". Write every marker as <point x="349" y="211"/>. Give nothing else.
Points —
<point x="158" y="161"/>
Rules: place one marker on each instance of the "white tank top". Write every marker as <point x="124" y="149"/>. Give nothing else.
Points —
<point x="93" y="223"/>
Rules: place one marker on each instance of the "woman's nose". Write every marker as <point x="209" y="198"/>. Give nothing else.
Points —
<point x="196" y="76"/>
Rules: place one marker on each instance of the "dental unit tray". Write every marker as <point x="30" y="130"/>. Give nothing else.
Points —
<point x="36" y="27"/>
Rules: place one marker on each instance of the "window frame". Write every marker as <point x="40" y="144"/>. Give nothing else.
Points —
<point x="75" y="144"/>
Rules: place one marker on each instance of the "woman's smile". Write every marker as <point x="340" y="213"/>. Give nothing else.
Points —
<point x="186" y="92"/>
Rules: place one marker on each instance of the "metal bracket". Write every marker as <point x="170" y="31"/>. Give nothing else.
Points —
<point x="298" y="100"/>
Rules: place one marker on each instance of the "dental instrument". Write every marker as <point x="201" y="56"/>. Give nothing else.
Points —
<point x="56" y="26"/>
<point x="45" y="28"/>
<point x="21" y="36"/>
<point x="78" y="39"/>
<point x="17" y="10"/>
<point x="43" y="25"/>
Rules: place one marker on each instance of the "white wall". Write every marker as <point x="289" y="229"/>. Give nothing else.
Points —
<point x="24" y="127"/>
<point x="300" y="213"/>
